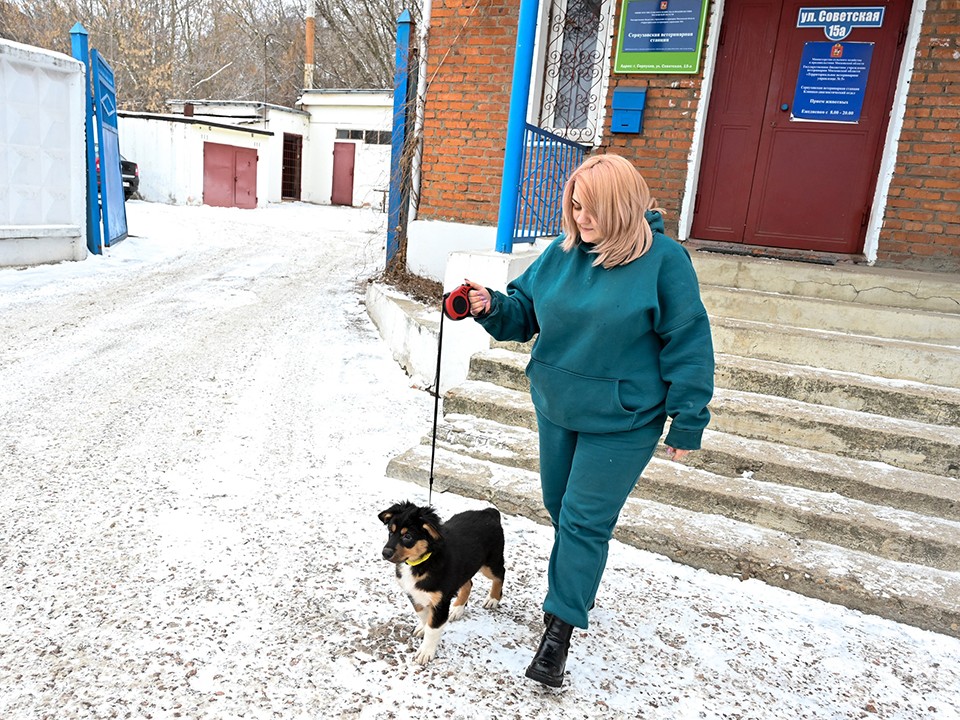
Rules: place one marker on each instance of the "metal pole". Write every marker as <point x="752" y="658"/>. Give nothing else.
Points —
<point x="265" y="39"/>
<point x="80" y="48"/>
<point x="398" y="192"/>
<point x="516" y="123"/>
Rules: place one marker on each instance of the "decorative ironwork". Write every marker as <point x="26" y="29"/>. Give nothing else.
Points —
<point x="548" y="160"/>
<point x="575" y="57"/>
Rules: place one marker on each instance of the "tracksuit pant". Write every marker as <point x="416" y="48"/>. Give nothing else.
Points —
<point x="585" y="479"/>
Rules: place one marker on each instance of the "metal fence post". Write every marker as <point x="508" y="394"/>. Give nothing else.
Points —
<point x="516" y="124"/>
<point x="398" y="171"/>
<point x="80" y="49"/>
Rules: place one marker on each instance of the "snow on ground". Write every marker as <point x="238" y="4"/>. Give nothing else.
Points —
<point x="194" y="430"/>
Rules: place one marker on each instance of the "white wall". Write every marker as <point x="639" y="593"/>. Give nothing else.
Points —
<point x="169" y="153"/>
<point x="431" y="242"/>
<point x="167" y="157"/>
<point x="42" y="156"/>
<point x="280" y="121"/>
<point x="346" y="110"/>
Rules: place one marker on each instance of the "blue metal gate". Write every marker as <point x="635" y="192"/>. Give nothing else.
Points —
<point x="112" y="208"/>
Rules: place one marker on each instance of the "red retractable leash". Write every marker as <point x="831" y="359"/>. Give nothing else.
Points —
<point x="456" y="306"/>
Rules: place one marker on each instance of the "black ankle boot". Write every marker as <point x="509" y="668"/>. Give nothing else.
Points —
<point x="551" y="658"/>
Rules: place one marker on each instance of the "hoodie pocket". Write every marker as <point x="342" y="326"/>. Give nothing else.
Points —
<point x="578" y="402"/>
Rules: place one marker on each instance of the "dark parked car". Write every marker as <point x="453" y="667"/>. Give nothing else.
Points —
<point x="129" y="173"/>
<point x="131" y="177"/>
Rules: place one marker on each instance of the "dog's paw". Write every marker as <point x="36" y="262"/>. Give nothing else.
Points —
<point x="419" y="631"/>
<point x="491" y="603"/>
<point x="457" y="611"/>
<point x="428" y="648"/>
<point x="424" y="656"/>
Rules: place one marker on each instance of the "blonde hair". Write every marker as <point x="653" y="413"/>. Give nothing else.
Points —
<point x="614" y="192"/>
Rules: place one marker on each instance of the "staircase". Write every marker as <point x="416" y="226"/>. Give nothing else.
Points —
<point x="832" y="463"/>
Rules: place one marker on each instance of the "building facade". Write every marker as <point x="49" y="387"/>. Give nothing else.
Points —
<point x="825" y="129"/>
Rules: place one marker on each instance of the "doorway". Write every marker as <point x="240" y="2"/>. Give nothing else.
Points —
<point x="291" y="170"/>
<point x="771" y="174"/>
<point x="344" y="158"/>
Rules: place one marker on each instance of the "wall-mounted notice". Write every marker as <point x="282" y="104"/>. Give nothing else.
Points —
<point x="660" y="36"/>
<point x="832" y="81"/>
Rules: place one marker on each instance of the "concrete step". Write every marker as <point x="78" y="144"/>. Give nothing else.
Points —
<point x="491" y="401"/>
<point x="903" y="399"/>
<point x="871" y="482"/>
<point x="925" y="597"/>
<point x="934" y="292"/>
<point x="933" y="449"/>
<point x="489" y="440"/>
<point x="734" y="457"/>
<point x="810" y="515"/>
<point x="862" y="354"/>
<point x="841" y="316"/>
<point x="904" y="444"/>
<point x="883" y="530"/>
<point x="907" y="400"/>
<point x="501" y="366"/>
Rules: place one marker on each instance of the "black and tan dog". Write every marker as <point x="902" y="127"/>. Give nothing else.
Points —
<point x="436" y="563"/>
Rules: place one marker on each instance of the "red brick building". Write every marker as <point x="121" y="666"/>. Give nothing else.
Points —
<point x="735" y="151"/>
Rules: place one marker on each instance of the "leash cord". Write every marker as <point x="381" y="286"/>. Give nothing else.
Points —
<point x="436" y="407"/>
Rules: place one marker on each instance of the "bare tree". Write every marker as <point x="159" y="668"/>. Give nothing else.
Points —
<point x="217" y="49"/>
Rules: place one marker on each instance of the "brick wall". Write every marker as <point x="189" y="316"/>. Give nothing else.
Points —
<point x="470" y="71"/>
<point x="921" y="228"/>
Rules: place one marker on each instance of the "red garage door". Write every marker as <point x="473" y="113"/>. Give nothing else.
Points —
<point x="229" y="176"/>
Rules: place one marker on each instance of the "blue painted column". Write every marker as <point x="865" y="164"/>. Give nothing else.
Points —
<point x="398" y="190"/>
<point x="80" y="49"/>
<point x="516" y="123"/>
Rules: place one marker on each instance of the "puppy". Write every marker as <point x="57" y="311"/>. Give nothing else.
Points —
<point x="436" y="563"/>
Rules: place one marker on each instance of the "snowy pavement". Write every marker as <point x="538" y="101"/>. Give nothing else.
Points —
<point x="193" y="435"/>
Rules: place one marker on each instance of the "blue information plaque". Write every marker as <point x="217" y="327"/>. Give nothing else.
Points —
<point x="832" y="81"/>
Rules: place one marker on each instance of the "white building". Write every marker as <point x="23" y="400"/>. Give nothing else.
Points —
<point x="333" y="149"/>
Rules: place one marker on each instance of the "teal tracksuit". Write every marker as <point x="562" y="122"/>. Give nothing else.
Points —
<point x="617" y="352"/>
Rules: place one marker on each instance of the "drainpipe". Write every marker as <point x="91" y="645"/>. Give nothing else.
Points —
<point x="516" y="123"/>
<point x="415" y="165"/>
<point x="308" y="49"/>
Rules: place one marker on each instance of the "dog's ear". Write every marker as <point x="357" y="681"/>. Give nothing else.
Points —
<point x="388" y="514"/>
<point x="431" y="530"/>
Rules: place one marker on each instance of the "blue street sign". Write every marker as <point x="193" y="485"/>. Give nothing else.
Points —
<point x="838" y="22"/>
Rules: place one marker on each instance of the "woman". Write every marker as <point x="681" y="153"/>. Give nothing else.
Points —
<point x="623" y="342"/>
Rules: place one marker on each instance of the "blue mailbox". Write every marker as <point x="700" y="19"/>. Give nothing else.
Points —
<point x="628" y="110"/>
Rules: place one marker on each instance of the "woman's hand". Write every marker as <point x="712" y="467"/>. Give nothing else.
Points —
<point x="479" y="298"/>
<point x="677" y="455"/>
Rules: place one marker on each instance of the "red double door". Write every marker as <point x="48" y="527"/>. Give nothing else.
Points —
<point x="229" y="176"/>
<point x="768" y="179"/>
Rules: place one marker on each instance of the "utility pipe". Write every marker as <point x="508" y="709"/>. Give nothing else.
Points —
<point x="311" y="29"/>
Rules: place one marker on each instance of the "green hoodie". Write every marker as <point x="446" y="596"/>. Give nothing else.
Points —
<point x="618" y="349"/>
